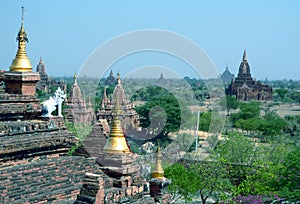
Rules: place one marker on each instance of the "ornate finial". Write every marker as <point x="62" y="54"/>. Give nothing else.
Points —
<point x="41" y="60"/>
<point x="244" y="55"/>
<point x="21" y="63"/>
<point x="75" y="76"/>
<point x="158" y="171"/>
<point x="23" y="11"/>
<point x="119" y="79"/>
<point x="226" y="67"/>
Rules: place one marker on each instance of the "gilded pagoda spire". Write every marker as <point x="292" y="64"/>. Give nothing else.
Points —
<point x="116" y="142"/>
<point x="21" y="63"/>
<point x="158" y="171"/>
<point x="119" y="79"/>
<point x="75" y="78"/>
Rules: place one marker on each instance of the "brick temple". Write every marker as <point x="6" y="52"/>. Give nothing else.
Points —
<point x="245" y="88"/>
<point x="35" y="166"/>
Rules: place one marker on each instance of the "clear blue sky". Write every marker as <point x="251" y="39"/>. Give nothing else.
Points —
<point x="65" y="33"/>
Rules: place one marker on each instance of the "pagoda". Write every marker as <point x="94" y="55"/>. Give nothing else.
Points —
<point x="245" y="88"/>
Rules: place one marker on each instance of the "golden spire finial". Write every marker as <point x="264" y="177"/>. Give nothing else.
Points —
<point x="119" y="79"/>
<point x="21" y="63"/>
<point x="75" y="76"/>
<point x="158" y="171"/>
<point x="116" y="142"/>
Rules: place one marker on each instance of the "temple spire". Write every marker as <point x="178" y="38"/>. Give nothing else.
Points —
<point x="116" y="142"/>
<point x="158" y="171"/>
<point x="21" y="63"/>
<point x="119" y="79"/>
<point x="111" y="74"/>
<point x="244" y="56"/>
<point x="75" y="76"/>
<point x="41" y="60"/>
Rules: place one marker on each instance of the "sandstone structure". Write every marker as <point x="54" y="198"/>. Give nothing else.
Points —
<point x="245" y="88"/>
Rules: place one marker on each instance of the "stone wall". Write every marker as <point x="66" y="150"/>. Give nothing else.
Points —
<point x="42" y="181"/>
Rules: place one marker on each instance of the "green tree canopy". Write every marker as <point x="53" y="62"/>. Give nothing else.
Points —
<point x="184" y="181"/>
<point x="166" y="114"/>
<point x="248" y="110"/>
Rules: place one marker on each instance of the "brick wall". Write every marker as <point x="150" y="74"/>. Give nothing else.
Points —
<point x="50" y="180"/>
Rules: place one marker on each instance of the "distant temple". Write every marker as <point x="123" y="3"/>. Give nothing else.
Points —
<point x="46" y="82"/>
<point x="105" y="112"/>
<point x="226" y="76"/>
<point x="110" y="80"/>
<point x="43" y="84"/>
<point x="77" y="111"/>
<point x="245" y="88"/>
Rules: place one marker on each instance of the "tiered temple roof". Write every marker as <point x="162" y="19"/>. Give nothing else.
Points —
<point x="245" y="88"/>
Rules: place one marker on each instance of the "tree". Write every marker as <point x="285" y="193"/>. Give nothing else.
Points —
<point x="239" y="153"/>
<point x="289" y="176"/>
<point x="184" y="181"/>
<point x="208" y="178"/>
<point x="271" y="124"/>
<point x="281" y="92"/>
<point x="229" y="102"/>
<point x="213" y="179"/>
<point x="247" y="111"/>
<point x="165" y="114"/>
<point x="248" y="124"/>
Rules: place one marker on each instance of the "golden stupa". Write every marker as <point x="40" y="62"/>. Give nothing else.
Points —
<point x="158" y="171"/>
<point x="116" y="142"/>
<point x="21" y="63"/>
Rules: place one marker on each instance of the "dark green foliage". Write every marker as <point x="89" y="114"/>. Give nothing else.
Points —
<point x="281" y="92"/>
<point x="271" y="124"/>
<point x="166" y="114"/>
<point x="149" y="92"/>
<point x="247" y="111"/>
